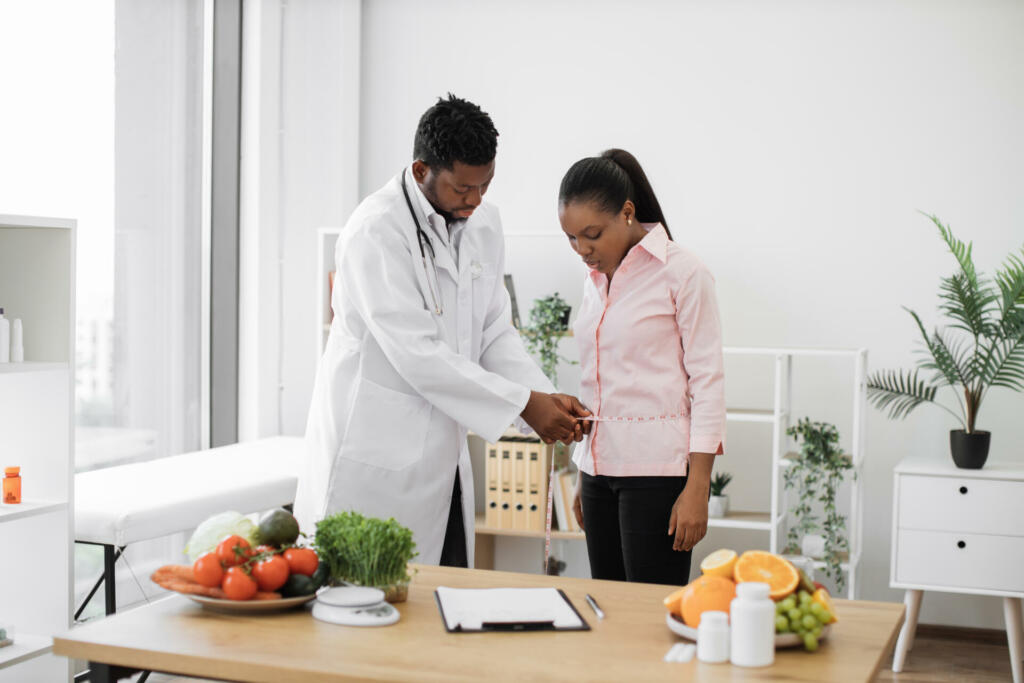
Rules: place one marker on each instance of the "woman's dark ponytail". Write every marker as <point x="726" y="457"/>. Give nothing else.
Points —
<point x="609" y="180"/>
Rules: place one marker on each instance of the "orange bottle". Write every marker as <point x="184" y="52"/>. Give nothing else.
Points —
<point x="12" y="485"/>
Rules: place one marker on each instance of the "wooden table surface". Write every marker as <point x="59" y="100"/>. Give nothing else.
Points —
<point x="176" y="635"/>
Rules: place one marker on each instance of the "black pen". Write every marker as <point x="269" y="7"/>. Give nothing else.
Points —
<point x="593" y="605"/>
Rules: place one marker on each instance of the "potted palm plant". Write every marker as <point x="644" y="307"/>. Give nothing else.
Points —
<point x="718" y="503"/>
<point x="981" y="347"/>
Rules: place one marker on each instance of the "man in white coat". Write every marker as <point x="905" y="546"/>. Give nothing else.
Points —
<point x="421" y="348"/>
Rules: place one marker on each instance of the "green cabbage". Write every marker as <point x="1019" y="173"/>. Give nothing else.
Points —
<point x="215" y="529"/>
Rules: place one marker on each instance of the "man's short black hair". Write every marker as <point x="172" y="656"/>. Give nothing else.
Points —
<point x="455" y="130"/>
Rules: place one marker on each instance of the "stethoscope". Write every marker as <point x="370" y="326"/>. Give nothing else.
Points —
<point x="422" y="237"/>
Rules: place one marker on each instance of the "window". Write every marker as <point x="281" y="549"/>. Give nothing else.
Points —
<point x="103" y="122"/>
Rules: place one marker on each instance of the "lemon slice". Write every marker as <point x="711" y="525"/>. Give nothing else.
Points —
<point x="719" y="563"/>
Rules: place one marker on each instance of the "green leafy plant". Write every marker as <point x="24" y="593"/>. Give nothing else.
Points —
<point x="549" y="320"/>
<point x="718" y="483"/>
<point x="982" y="347"/>
<point x="817" y="472"/>
<point x="364" y="550"/>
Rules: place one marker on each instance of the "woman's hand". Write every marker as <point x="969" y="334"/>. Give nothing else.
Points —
<point x="577" y="504"/>
<point x="689" y="519"/>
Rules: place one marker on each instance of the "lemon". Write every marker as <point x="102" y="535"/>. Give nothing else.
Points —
<point x="719" y="563"/>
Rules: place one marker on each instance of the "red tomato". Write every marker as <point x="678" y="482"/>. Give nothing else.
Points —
<point x="266" y="549"/>
<point x="234" y="550"/>
<point x="208" y="570"/>
<point x="238" y="585"/>
<point x="301" y="560"/>
<point x="271" y="573"/>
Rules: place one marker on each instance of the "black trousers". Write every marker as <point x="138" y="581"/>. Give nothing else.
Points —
<point x="626" y="520"/>
<point x="453" y="552"/>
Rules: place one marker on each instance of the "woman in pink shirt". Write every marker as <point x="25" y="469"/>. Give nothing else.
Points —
<point x="651" y="358"/>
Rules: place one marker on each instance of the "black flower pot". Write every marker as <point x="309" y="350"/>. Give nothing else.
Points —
<point x="970" y="451"/>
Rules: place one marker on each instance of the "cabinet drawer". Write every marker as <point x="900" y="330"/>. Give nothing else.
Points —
<point x="960" y="504"/>
<point x="936" y="558"/>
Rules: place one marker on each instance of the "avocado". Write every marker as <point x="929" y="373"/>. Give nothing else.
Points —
<point x="278" y="528"/>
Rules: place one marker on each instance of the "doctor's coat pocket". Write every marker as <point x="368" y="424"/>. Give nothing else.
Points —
<point x="386" y="428"/>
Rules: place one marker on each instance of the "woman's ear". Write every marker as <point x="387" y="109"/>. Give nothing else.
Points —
<point x="629" y="212"/>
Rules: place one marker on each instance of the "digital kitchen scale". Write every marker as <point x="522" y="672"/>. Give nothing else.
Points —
<point x="354" y="606"/>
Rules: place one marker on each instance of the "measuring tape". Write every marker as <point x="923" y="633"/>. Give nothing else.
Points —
<point x="551" y="474"/>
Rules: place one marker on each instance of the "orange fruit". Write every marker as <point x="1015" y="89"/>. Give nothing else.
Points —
<point x="672" y="602"/>
<point x="707" y="593"/>
<point x="719" y="563"/>
<point x="822" y="597"/>
<point x="757" y="565"/>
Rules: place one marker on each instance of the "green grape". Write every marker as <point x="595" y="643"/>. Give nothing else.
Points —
<point x="805" y="597"/>
<point x="781" y="624"/>
<point x="796" y="625"/>
<point x="816" y="631"/>
<point x="780" y="608"/>
<point x="810" y="642"/>
<point x="794" y="614"/>
<point x="817" y="610"/>
<point x="810" y="622"/>
<point x="787" y="604"/>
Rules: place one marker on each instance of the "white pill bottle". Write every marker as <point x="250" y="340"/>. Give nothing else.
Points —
<point x="752" y="627"/>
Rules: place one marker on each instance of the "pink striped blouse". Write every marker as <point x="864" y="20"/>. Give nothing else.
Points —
<point x="651" y="346"/>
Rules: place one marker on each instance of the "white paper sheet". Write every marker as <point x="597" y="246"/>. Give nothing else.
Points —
<point x="470" y="608"/>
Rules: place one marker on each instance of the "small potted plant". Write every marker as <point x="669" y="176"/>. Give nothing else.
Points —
<point x="718" y="503"/>
<point x="366" y="551"/>
<point x="549" y="321"/>
<point x="816" y="472"/>
<point x="981" y="348"/>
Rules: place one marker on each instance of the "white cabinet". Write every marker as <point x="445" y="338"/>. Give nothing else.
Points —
<point x="959" y="531"/>
<point x="36" y="407"/>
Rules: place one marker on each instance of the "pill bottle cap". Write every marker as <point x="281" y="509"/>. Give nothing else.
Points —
<point x="12" y="471"/>
<point x="714" y="618"/>
<point x="753" y="590"/>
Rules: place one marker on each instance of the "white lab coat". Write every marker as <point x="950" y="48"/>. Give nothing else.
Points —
<point x="398" y="385"/>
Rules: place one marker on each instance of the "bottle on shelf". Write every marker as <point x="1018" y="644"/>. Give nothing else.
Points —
<point x="12" y="485"/>
<point x="5" y="338"/>
<point x="17" y="342"/>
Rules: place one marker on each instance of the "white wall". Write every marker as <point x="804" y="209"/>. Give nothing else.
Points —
<point x="790" y="144"/>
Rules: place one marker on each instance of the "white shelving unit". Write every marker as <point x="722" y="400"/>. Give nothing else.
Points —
<point x="779" y="417"/>
<point x="37" y="276"/>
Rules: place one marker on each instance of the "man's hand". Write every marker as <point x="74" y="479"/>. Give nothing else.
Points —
<point x="551" y="417"/>
<point x="577" y="409"/>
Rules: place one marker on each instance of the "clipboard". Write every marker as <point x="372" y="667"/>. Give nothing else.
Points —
<point x="476" y="610"/>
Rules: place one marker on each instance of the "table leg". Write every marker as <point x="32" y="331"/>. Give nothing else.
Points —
<point x="1012" y="613"/>
<point x="912" y="599"/>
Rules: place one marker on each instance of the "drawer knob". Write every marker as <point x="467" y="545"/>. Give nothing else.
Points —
<point x="963" y="489"/>
<point x="961" y="544"/>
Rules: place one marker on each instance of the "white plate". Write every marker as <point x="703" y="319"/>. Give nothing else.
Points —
<point x="676" y="625"/>
<point x="249" y="606"/>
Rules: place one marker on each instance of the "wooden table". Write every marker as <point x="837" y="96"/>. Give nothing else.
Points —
<point x="175" y="635"/>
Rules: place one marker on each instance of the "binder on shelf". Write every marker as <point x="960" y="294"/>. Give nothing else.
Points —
<point x="565" y="490"/>
<point x="505" y="502"/>
<point x="492" y="474"/>
<point x="519" y="491"/>
<point x="537" y="486"/>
